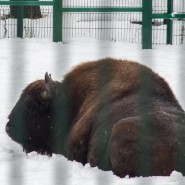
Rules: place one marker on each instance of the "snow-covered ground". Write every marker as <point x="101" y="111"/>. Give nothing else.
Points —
<point x="23" y="61"/>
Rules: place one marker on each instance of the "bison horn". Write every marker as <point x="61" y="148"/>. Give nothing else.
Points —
<point x="47" y="78"/>
<point x="49" y="88"/>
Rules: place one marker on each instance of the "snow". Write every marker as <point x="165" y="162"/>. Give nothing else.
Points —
<point x="23" y="61"/>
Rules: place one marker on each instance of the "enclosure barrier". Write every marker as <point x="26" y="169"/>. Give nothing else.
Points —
<point x="20" y="5"/>
<point x="58" y="10"/>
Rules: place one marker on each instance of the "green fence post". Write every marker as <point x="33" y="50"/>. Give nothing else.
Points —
<point x="19" y="12"/>
<point x="57" y="21"/>
<point x="169" y="23"/>
<point x="146" y="24"/>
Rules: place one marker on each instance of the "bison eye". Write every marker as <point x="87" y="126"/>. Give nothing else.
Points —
<point x="31" y="105"/>
<point x="35" y="106"/>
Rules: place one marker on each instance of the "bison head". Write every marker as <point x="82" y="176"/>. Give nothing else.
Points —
<point x="31" y="122"/>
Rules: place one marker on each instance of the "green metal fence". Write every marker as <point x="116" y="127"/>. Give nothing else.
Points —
<point x="171" y="13"/>
<point x="139" y="21"/>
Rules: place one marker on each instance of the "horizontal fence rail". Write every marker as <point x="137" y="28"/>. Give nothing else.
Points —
<point x="102" y="9"/>
<point x="27" y="3"/>
<point x="145" y="8"/>
<point x="168" y="16"/>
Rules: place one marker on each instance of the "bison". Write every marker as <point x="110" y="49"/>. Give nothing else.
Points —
<point x="117" y="115"/>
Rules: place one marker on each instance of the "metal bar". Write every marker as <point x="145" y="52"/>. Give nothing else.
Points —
<point x="19" y="12"/>
<point x="27" y="3"/>
<point x="102" y="9"/>
<point x="168" y="16"/>
<point x="147" y="24"/>
<point x="57" y="21"/>
<point x="169" y="22"/>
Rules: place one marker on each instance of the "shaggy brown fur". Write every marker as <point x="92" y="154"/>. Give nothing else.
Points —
<point x="114" y="114"/>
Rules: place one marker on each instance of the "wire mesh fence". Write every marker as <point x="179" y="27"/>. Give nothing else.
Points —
<point x="179" y="25"/>
<point x="159" y="28"/>
<point x="112" y="26"/>
<point x="37" y="28"/>
<point x="42" y="27"/>
<point x="103" y="26"/>
<point x="102" y="3"/>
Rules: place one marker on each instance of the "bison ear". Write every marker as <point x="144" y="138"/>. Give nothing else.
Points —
<point x="48" y="93"/>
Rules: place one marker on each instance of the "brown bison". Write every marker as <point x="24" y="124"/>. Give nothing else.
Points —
<point x="115" y="114"/>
